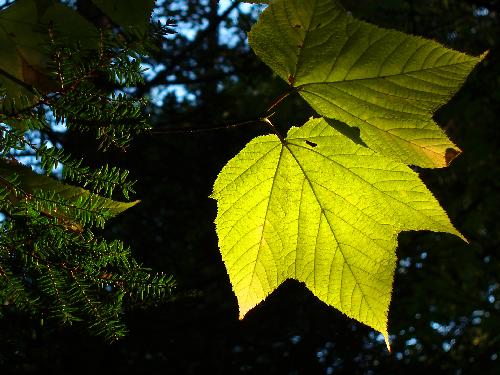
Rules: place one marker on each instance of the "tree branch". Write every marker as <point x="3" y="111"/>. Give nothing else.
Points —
<point x="211" y="28"/>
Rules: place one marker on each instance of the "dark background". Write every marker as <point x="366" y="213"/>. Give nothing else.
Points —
<point x="444" y="315"/>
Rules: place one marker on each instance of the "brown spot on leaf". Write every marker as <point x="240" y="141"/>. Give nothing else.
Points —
<point x="291" y="79"/>
<point x="297" y="26"/>
<point x="451" y="154"/>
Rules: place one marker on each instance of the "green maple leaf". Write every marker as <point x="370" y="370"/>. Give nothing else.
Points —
<point x="321" y="209"/>
<point x="385" y="82"/>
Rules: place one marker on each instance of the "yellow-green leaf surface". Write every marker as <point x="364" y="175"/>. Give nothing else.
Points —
<point x="323" y="210"/>
<point x="386" y="83"/>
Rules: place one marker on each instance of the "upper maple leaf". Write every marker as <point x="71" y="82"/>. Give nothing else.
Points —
<point x="385" y="82"/>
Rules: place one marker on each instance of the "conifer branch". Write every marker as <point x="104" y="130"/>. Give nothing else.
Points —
<point x="52" y="263"/>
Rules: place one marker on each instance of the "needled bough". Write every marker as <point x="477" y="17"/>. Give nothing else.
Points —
<point x="386" y="83"/>
<point x="322" y="209"/>
<point x="76" y="206"/>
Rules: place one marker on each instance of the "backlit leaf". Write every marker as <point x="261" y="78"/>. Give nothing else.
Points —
<point x="323" y="210"/>
<point x="385" y="82"/>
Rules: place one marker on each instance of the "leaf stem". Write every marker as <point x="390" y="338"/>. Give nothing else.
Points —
<point x="265" y="118"/>
<point x="279" y="99"/>
<point x="273" y="127"/>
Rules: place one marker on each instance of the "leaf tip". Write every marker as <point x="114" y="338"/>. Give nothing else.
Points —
<point x="451" y="154"/>
<point x="128" y="205"/>
<point x="484" y="55"/>
<point x="243" y="312"/>
<point x="464" y="238"/>
<point x="245" y="305"/>
<point x="387" y="342"/>
<point x="457" y="233"/>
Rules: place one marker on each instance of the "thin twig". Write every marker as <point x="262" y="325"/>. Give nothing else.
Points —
<point x="279" y="100"/>
<point x="183" y="54"/>
<point x="203" y="130"/>
<point x="264" y="118"/>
